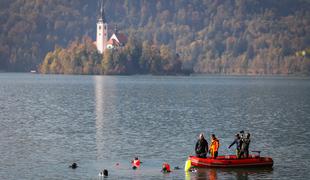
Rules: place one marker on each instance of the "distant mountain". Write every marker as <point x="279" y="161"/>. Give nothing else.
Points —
<point x="210" y="36"/>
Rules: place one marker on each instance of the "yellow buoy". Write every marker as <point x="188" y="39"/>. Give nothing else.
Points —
<point x="188" y="164"/>
<point x="187" y="175"/>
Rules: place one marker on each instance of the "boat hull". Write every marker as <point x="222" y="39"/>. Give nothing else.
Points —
<point x="231" y="161"/>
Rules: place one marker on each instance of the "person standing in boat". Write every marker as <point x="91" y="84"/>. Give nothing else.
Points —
<point x="238" y="142"/>
<point x="214" y="147"/>
<point x="245" y="146"/>
<point x="242" y="135"/>
<point x="201" y="147"/>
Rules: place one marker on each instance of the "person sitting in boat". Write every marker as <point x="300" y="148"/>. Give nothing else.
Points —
<point x="245" y="146"/>
<point x="214" y="147"/>
<point x="201" y="147"/>
<point x="237" y="141"/>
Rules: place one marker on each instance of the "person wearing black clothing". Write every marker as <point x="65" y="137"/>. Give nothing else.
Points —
<point x="238" y="143"/>
<point x="245" y="146"/>
<point x="201" y="147"/>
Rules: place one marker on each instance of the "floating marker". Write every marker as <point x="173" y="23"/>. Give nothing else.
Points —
<point x="187" y="166"/>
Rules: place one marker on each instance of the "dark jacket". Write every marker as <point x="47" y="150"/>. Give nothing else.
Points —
<point x="245" y="144"/>
<point x="238" y="143"/>
<point x="201" y="146"/>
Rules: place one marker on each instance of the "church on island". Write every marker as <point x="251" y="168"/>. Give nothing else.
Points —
<point x="103" y="41"/>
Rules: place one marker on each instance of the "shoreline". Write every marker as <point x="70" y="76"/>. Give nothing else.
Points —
<point x="169" y="75"/>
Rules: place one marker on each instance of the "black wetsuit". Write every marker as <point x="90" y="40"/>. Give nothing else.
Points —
<point x="245" y="147"/>
<point x="201" y="148"/>
<point x="238" y="143"/>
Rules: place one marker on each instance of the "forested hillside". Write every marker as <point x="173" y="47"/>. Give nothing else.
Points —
<point x="210" y="36"/>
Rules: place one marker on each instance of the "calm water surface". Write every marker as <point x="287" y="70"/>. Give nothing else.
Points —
<point x="50" y="121"/>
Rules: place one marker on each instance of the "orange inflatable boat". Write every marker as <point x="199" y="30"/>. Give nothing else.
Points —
<point x="231" y="161"/>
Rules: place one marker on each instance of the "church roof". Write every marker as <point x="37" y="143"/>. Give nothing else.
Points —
<point x="119" y="37"/>
<point x="113" y="42"/>
<point x="122" y="38"/>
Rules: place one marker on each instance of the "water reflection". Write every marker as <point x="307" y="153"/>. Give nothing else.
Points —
<point x="102" y="102"/>
<point x="212" y="175"/>
<point x="238" y="173"/>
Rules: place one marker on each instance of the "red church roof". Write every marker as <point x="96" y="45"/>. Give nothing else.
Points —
<point x="113" y="42"/>
<point x="122" y="38"/>
<point x="118" y="39"/>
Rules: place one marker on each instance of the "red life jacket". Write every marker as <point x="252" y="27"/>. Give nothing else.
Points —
<point x="136" y="163"/>
<point x="167" y="167"/>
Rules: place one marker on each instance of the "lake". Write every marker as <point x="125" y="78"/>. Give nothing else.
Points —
<point x="48" y="122"/>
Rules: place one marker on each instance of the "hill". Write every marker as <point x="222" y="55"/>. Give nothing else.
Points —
<point x="210" y="36"/>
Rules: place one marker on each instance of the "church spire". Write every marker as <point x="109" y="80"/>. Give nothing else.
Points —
<point x="116" y="29"/>
<point x="101" y="15"/>
<point x="102" y="28"/>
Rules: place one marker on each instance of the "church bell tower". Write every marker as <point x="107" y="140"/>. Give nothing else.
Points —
<point x="102" y="30"/>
